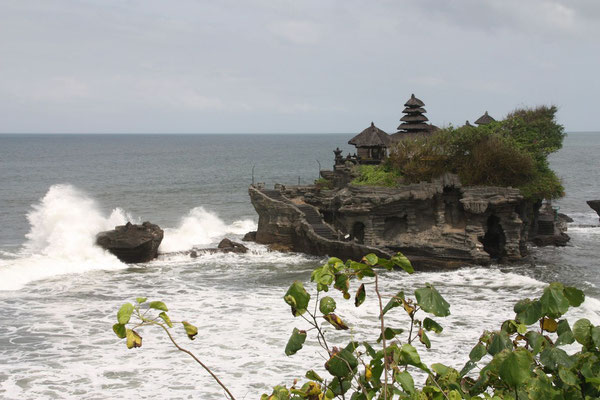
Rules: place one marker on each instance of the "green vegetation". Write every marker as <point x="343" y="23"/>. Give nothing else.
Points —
<point x="323" y="183"/>
<point x="512" y="152"/>
<point x="375" y="175"/>
<point x="524" y="359"/>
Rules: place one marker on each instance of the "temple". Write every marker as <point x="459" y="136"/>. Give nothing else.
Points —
<point x="440" y="223"/>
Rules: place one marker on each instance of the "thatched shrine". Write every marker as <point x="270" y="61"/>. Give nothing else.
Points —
<point x="371" y="145"/>
<point x="485" y="119"/>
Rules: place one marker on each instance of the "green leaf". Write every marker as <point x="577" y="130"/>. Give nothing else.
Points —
<point x="536" y="341"/>
<point x="341" y="364"/>
<point x="498" y="342"/>
<point x="469" y="366"/>
<point x="431" y="325"/>
<point x="429" y="299"/>
<point x="124" y="313"/>
<point x="360" y="296"/>
<point x="390" y="333"/>
<point x="120" y="330"/>
<point x="190" y="330"/>
<point x="327" y="305"/>
<point x="297" y="297"/>
<point x="574" y="295"/>
<point x="477" y="352"/>
<point x="554" y="302"/>
<point x="596" y="336"/>
<point x="568" y="377"/>
<point x="163" y="315"/>
<point x="323" y="275"/>
<point x="342" y="283"/>
<point x="410" y="356"/>
<point x="133" y="339"/>
<point x="582" y="330"/>
<point x="515" y="369"/>
<point x="424" y="339"/>
<point x="295" y="342"/>
<point x="394" y="302"/>
<point x="371" y="259"/>
<point x="141" y="300"/>
<point x="528" y="312"/>
<point x="553" y="357"/>
<point x="565" y="335"/>
<point x="401" y="261"/>
<point x="406" y="381"/>
<point x="158" y="305"/>
<point x="310" y="374"/>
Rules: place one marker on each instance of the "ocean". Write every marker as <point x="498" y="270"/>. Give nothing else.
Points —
<point x="59" y="293"/>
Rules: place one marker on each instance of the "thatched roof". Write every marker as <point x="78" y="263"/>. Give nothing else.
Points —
<point x="484" y="119"/>
<point x="414" y="118"/>
<point x="371" y="137"/>
<point x="414" y="102"/>
<point x="414" y="110"/>
<point x="407" y="126"/>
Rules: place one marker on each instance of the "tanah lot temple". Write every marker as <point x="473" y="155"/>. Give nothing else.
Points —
<point x="436" y="224"/>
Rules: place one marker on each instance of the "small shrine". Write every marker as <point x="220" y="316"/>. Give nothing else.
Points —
<point x="485" y="119"/>
<point x="371" y="145"/>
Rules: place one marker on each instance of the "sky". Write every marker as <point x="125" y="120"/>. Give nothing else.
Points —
<point x="291" y="66"/>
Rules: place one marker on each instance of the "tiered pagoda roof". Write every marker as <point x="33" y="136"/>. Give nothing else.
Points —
<point x="414" y="120"/>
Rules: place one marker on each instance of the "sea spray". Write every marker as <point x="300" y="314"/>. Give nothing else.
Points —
<point x="62" y="234"/>
<point x="199" y="228"/>
<point x="61" y="239"/>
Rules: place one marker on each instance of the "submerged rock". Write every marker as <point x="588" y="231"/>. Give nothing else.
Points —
<point x="250" y="237"/>
<point x="132" y="243"/>
<point x="228" y="246"/>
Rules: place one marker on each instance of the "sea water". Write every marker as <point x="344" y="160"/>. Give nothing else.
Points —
<point x="59" y="293"/>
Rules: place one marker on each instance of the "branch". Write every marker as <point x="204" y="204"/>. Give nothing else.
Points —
<point x="195" y="359"/>
<point x="385" y="364"/>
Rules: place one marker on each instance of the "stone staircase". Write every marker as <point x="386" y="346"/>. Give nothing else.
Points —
<point x="310" y="213"/>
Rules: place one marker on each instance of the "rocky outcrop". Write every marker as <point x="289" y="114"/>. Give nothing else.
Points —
<point x="225" y="246"/>
<point x="281" y="222"/>
<point x="132" y="243"/>
<point x="440" y="223"/>
<point x="595" y="205"/>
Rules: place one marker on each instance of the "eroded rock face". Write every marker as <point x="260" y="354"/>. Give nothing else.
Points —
<point x="132" y="243"/>
<point x="440" y="223"/>
<point x="595" y="205"/>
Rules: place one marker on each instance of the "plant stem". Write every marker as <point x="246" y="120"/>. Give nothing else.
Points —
<point x="195" y="359"/>
<point x="385" y="364"/>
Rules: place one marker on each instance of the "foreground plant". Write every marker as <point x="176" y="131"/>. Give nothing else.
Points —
<point x="145" y="314"/>
<point x="524" y="359"/>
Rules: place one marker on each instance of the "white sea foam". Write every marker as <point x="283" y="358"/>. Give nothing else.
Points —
<point x="63" y="226"/>
<point x="61" y="239"/>
<point x="201" y="227"/>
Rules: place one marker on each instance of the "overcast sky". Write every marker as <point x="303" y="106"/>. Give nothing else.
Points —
<point x="195" y="66"/>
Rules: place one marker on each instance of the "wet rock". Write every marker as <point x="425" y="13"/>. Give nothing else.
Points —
<point x="595" y="205"/>
<point x="193" y="254"/>
<point x="132" y="243"/>
<point x="228" y="246"/>
<point x="250" y="237"/>
<point x="282" y="248"/>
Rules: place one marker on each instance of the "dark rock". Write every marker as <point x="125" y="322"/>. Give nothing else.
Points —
<point x="440" y="223"/>
<point x="227" y="246"/>
<point x="279" y="248"/>
<point x="595" y="205"/>
<point x="250" y="237"/>
<point x="193" y="254"/>
<point x="564" y="218"/>
<point x="560" y="239"/>
<point x="132" y="243"/>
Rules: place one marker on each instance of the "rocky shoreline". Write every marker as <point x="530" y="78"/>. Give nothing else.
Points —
<point x="437" y="224"/>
